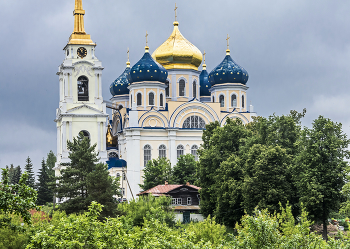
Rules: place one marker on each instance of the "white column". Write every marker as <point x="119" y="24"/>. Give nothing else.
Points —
<point x="58" y="141"/>
<point x="190" y="88"/>
<point x="96" y="83"/>
<point x="64" y="136"/>
<point x="70" y="131"/>
<point x="239" y="103"/>
<point x="172" y="147"/>
<point x="61" y="89"/>
<point x="104" y="131"/>
<point x="100" y="86"/>
<point x="144" y="99"/>
<point x="65" y="85"/>
<point x="157" y="98"/>
<point x="174" y="87"/>
<point x="99" y="137"/>
<point x="70" y="78"/>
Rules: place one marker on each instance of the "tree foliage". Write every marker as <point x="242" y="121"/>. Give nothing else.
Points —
<point x="156" y="172"/>
<point x="185" y="170"/>
<point x="45" y="195"/>
<point x="29" y="169"/>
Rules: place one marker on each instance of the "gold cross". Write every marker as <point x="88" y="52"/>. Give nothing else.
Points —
<point x="128" y="54"/>
<point x="204" y="55"/>
<point x="175" y="12"/>
<point x="228" y="42"/>
<point x="146" y="39"/>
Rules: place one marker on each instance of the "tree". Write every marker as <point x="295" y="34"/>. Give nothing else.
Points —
<point x="29" y="169"/>
<point x="17" y="175"/>
<point x="44" y="193"/>
<point x="11" y="174"/>
<point x="81" y="175"/>
<point x="156" y="172"/>
<point x="322" y="169"/>
<point x="15" y="199"/>
<point x="50" y="164"/>
<point x="185" y="170"/>
<point x="101" y="188"/>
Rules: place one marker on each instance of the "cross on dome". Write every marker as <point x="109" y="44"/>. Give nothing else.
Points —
<point x="175" y="12"/>
<point x="228" y="45"/>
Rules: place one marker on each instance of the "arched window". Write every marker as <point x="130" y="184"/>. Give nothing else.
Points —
<point x="194" y="122"/>
<point x="167" y="88"/>
<point x="194" y="149"/>
<point x="162" y="151"/>
<point x="181" y="88"/>
<point x="242" y="101"/>
<point x="113" y="154"/>
<point x="139" y="99"/>
<point x="146" y="154"/>
<point x="180" y="150"/>
<point x="222" y="100"/>
<point x="194" y="89"/>
<point x="233" y="100"/>
<point x="151" y="98"/>
<point x="86" y="134"/>
<point x="161" y="100"/>
<point x="213" y="99"/>
<point x="83" y="88"/>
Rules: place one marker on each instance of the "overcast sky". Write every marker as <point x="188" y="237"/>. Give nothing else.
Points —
<point x="297" y="54"/>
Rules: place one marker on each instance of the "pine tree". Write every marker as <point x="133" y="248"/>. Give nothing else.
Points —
<point x="29" y="169"/>
<point x="17" y="174"/>
<point x="50" y="164"/>
<point x="44" y="193"/>
<point x="11" y="174"/>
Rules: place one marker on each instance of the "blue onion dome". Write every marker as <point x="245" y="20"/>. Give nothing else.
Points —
<point x="204" y="82"/>
<point x="147" y="69"/>
<point x="228" y="71"/>
<point x="120" y="85"/>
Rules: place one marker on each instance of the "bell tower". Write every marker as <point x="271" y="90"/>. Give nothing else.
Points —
<point x="81" y="107"/>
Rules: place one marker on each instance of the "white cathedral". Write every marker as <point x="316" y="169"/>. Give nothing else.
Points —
<point x="160" y="105"/>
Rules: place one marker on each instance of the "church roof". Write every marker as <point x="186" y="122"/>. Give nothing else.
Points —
<point x="120" y="85"/>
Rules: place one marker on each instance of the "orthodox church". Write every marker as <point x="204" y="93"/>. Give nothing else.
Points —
<point x="160" y="105"/>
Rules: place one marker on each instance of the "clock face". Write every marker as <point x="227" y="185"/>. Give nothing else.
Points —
<point x="82" y="52"/>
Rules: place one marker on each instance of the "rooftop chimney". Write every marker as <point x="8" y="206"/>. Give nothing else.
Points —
<point x="166" y="183"/>
<point x="187" y="183"/>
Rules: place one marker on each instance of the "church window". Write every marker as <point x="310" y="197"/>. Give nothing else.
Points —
<point x="181" y="88"/>
<point x="213" y="99"/>
<point x="194" y="122"/>
<point x="118" y="175"/>
<point x="139" y="99"/>
<point x="162" y="151"/>
<point x="222" y="100"/>
<point x="86" y="134"/>
<point x="194" y="149"/>
<point x="234" y="100"/>
<point x="83" y="88"/>
<point x="123" y="191"/>
<point x="113" y="154"/>
<point x="180" y="150"/>
<point x="161" y="100"/>
<point x="194" y="89"/>
<point x="146" y="154"/>
<point x="167" y="88"/>
<point x="242" y="101"/>
<point x="151" y="98"/>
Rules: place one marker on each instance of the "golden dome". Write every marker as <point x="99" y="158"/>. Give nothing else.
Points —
<point x="177" y="52"/>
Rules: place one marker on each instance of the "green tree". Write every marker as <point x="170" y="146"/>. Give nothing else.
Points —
<point x="156" y="172"/>
<point x="44" y="193"/>
<point x="29" y="169"/>
<point x="17" y="175"/>
<point x="185" y="170"/>
<point x="16" y="199"/>
<point x="101" y="188"/>
<point x="11" y="174"/>
<point x="50" y="164"/>
<point x="322" y="169"/>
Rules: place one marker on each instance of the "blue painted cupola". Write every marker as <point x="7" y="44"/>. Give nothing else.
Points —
<point x="147" y="69"/>
<point x="120" y="85"/>
<point x="228" y="71"/>
<point x="204" y="81"/>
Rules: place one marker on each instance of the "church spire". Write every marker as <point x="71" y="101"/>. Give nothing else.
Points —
<point x="79" y="35"/>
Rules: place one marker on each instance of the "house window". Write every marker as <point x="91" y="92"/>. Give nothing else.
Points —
<point x="194" y="152"/>
<point x="222" y="100"/>
<point x="161" y="99"/>
<point x="242" y="101"/>
<point x="180" y="150"/>
<point x="234" y="100"/>
<point x="167" y="88"/>
<point x="146" y="154"/>
<point x="139" y="99"/>
<point x="189" y="201"/>
<point x="83" y="88"/>
<point x="194" y="89"/>
<point x="181" y="88"/>
<point x="162" y="151"/>
<point x="176" y="201"/>
<point x="194" y="122"/>
<point x="118" y="175"/>
<point x="123" y="191"/>
<point x="151" y="98"/>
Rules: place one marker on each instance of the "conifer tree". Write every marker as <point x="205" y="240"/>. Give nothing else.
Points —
<point x="44" y="193"/>
<point x="50" y="164"/>
<point x="11" y="174"/>
<point x="29" y="169"/>
<point x="17" y="174"/>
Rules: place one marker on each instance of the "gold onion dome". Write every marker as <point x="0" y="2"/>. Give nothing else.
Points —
<point x="177" y="52"/>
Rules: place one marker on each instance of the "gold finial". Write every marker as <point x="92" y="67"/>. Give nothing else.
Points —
<point x="204" y="65"/>
<point x="228" y="45"/>
<point x="128" y="62"/>
<point x="175" y="12"/>
<point x="147" y="48"/>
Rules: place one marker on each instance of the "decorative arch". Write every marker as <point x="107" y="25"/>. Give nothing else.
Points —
<point x="194" y="122"/>
<point x="153" y="114"/>
<point x="234" y="114"/>
<point x="83" y="88"/>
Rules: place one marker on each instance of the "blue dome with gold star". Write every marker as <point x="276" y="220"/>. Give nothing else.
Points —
<point x="204" y="83"/>
<point x="120" y="85"/>
<point x="147" y="69"/>
<point x="228" y="71"/>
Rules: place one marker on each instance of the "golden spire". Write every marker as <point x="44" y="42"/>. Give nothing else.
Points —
<point x="175" y="12"/>
<point x="79" y="35"/>
<point x="204" y="65"/>
<point x="146" y="48"/>
<point x="228" y="45"/>
<point x="128" y="62"/>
